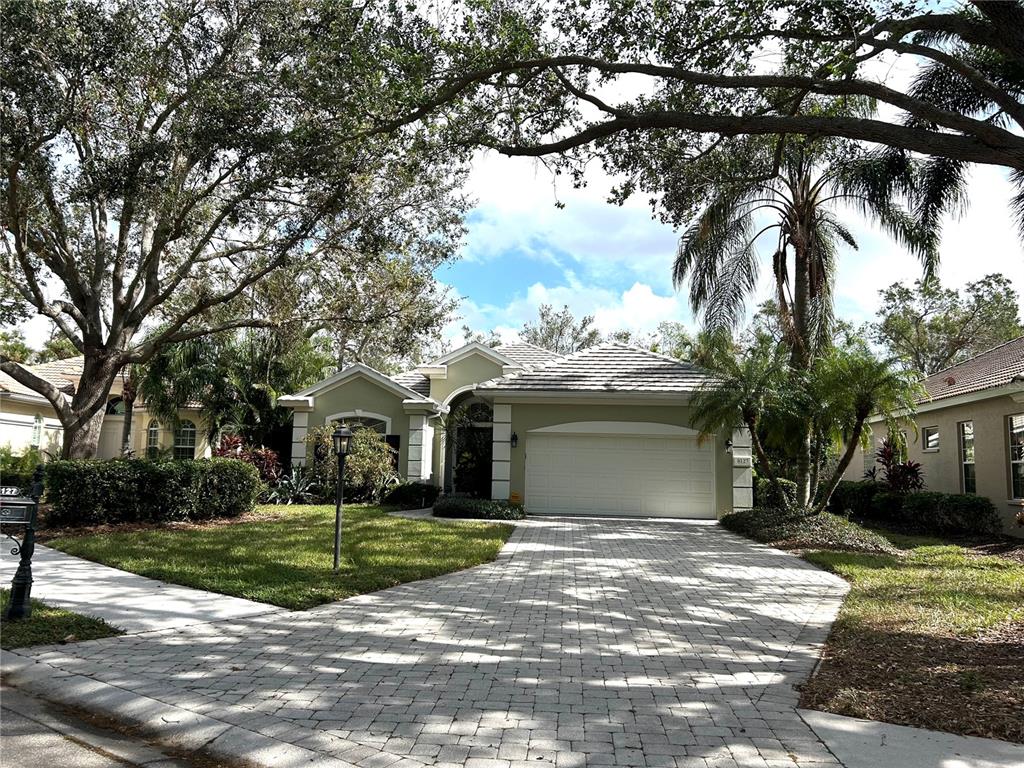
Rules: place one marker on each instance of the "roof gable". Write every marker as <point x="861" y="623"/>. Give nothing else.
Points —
<point x="474" y="347"/>
<point x="359" y="369"/>
<point x="609" y="367"/>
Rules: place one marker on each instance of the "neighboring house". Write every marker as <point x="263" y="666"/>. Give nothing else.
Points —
<point x="970" y="431"/>
<point x="27" y="420"/>
<point x="604" y="431"/>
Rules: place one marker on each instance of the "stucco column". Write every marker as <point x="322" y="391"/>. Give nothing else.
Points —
<point x="421" y="445"/>
<point x="300" y="426"/>
<point x="501" y="448"/>
<point x="742" y="471"/>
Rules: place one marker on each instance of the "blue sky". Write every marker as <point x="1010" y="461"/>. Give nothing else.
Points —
<point x="615" y="262"/>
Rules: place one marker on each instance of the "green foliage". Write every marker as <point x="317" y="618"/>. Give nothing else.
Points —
<point x="140" y="490"/>
<point x="796" y="530"/>
<point x="282" y="555"/>
<point x="13" y="346"/>
<point x="48" y="626"/>
<point x="369" y="466"/>
<point x="930" y="327"/>
<point x="854" y="498"/>
<point x="297" y="487"/>
<point x="17" y="469"/>
<point x="560" y="332"/>
<point x="412" y="495"/>
<point x="949" y="513"/>
<point x="768" y="494"/>
<point x="484" y="509"/>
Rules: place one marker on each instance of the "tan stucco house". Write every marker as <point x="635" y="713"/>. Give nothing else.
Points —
<point x="603" y="431"/>
<point x="970" y="431"/>
<point x="27" y="420"/>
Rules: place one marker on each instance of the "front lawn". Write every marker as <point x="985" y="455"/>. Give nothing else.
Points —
<point x="283" y="555"/>
<point x="49" y="625"/>
<point x="932" y="636"/>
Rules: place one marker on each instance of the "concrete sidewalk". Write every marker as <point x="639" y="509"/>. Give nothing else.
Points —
<point x="132" y="603"/>
<point x="869" y="744"/>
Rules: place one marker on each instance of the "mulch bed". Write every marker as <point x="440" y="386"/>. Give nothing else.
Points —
<point x="1012" y="549"/>
<point x="977" y="690"/>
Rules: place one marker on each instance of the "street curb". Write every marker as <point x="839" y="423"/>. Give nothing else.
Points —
<point x="169" y="725"/>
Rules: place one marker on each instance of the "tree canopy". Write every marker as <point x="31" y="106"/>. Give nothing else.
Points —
<point x="560" y="331"/>
<point x="929" y="327"/>
<point x="163" y="160"/>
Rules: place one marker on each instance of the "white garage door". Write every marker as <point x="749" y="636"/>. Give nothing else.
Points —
<point x="640" y="476"/>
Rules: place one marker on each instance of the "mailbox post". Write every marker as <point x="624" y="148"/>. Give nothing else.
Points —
<point x="18" y="509"/>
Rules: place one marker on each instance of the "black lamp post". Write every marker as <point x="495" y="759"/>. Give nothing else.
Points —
<point x="341" y="437"/>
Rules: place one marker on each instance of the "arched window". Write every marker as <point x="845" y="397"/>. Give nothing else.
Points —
<point x="37" y="431"/>
<point x="115" y="406"/>
<point x="185" y="440"/>
<point x="153" y="439"/>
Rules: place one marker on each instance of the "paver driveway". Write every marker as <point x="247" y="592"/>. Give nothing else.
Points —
<point x="587" y="642"/>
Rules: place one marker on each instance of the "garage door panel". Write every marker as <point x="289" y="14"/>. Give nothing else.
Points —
<point x="619" y="475"/>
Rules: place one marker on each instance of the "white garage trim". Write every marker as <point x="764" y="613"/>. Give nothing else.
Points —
<point x="618" y="428"/>
<point x="617" y="474"/>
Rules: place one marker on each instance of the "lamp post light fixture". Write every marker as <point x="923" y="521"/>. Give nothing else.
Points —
<point x="341" y="438"/>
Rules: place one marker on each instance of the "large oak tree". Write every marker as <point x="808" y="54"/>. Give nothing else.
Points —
<point x="163" y="159"/>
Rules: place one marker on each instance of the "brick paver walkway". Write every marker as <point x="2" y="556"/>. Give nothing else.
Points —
<point x="589" y="642"/>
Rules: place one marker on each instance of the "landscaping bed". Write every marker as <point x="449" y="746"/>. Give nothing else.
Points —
<point x="932" y="637"/>
<point x="788" y="530"/>
<point x="283" y="554"/>
<point x="48" y="625"/>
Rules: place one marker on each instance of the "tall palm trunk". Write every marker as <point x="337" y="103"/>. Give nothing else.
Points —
<point x="801" y="342"/>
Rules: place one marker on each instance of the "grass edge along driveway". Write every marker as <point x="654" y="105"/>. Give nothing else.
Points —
<point x="48" y="625"/>
<point x="932" y="638"/>
<point x="282" y="555"/>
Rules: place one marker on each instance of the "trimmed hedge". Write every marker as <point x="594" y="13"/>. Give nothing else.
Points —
<point x="140" y="490"/>
<point x="486" y="509"/>
<point x="766" y="494"/>
<point x="927" y="512"/>
<point x="412" y="495"/>
<point x="796" y="530"/>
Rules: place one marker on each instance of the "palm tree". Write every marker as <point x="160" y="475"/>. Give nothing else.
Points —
<point x="847" y="386"/>
<point x="718" y="253"/>
<point x="748" y="390"/>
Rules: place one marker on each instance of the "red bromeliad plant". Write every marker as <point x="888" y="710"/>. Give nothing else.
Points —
<point x="265" y="460"/>
<point x="901" y="476"/>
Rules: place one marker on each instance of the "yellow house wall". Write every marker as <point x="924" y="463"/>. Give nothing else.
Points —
<point x="942" y="467"/>
<point x="472" y="369"/>
<point x="528" y="416"/>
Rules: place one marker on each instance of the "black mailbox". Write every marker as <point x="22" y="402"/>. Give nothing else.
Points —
<point x="16" y="510"/>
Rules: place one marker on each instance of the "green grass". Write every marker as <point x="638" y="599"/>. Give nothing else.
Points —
<point x="283" y="554"/>
<point x="932" y="636"/>
<point x="932" y="587"/>
<point x="49" y="625"/>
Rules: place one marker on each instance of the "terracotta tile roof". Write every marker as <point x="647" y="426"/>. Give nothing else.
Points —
<point x="417" y="382"/>
<point x="999" y="366"/>
<point x="527" y="354"/>
<point x="609" y="367"/>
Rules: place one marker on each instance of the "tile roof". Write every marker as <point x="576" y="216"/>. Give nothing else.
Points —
<point x="69" y="366"/>
<point x="12" y="387"/>
<point x="417" y="382"/>
<point x="527" y="354"/>
<point x="995" y="368"/>
<point x="609" y="367"/>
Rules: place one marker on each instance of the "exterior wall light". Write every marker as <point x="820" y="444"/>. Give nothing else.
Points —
<point x="514" y="440"/>
<point x="728" y="446"/>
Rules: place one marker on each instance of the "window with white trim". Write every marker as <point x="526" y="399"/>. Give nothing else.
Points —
<point x="185" y="440"/>
<point x="1015" y="426"/>
<point x="930" y="438"/>
<point x="968" y="480"/>
<point x="37" y="431"/>
<point x="153" y="439"/>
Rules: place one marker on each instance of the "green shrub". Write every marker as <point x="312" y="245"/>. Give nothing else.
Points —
<point x="766" y="494"/>
<point x="140" y="490"/>
<point x="886" y="505"/>
<point x="949" y="513"/>
<point x="369" y="465"/>
<point x="412" y="495"/>
<point x="16" y="469"/>
<point x="486" y="509"/>
<point x="854" y="498"/>
<point x="795" y="530"/>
